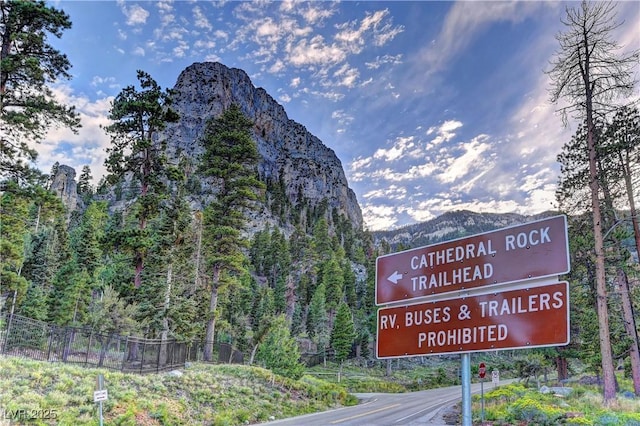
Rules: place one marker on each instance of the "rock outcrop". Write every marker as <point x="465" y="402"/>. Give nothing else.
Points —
<point x="64" y="185"/>
<point x="298" y="160"/>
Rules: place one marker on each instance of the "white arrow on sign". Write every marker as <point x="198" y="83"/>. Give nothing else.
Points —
<point x="395" y="277"/>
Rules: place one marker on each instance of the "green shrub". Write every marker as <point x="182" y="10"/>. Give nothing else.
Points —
<point x="608" y="419"/>
<point x="578" y="421"/>
<point x="506" y="393"/>
<point x="533" y="411"/>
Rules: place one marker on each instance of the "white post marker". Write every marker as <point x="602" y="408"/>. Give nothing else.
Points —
<point x="100" y="394"/>
<point x="495" y="377"/>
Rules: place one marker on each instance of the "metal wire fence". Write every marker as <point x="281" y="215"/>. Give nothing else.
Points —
<point x="26" y="337"/>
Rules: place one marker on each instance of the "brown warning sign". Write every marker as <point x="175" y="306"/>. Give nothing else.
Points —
<point x="533" y="250"/>
<point x="522" y="318"/>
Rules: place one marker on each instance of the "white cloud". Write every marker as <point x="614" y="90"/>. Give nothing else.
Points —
<point x="346" y="76"/>
<point x="315" y="15"/>
<point x="319" y="53"/>
<point x="138" y="51"/>
<point x="314" y="52"/>
<point x="164" y="5"/>
<point x="387" y="34"/>
<point x="277" y="67"/>
<point x="353" y="36"/>
<point x="204" y="44"/>
<point x="136" y="15"/>
<point x="200" y="20"/>
<point x="384" y="59"/>
<point x="421" y="171"/>
<point x="221" y="34"/>
<point x="419" y="214"/>
<point x="99" y="81"/>
<point x="444" y="132"/>
<point x="180" y="50"/>
<point x="392" y="192"/>
<point x="285" y="98"/>
<point x="379" y="217"/>
<point x="268" y="31"/>
<point x="167" y="18"/>
<point x="471" y="157"/>
<point x="342" y="117"/>
<point x="360" y="163"/>
<point x="399" y="148"/>
<point x="85" y="148"/>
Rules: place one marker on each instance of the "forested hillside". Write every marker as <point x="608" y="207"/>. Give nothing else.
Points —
<point x="219" y="252"/>
<point x="220" y="219"/>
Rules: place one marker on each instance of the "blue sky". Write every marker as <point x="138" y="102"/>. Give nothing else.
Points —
<point x="430" y="106"/>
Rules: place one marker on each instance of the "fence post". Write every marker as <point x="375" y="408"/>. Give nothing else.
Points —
<point x="158" y="359"/>
<point x="86" y="358"/>
<point x="126" y="351"/>
<point x="50" y="342"/>
<point x="13" y="305"/>
<point x="66" y="346"/>
<point x="144" y="346"/>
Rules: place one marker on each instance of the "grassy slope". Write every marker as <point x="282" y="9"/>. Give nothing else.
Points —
<point x="238" y="395"/>
<point x="203" y="394"/>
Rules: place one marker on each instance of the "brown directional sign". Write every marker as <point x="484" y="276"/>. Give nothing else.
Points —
<point x="533" y="250"/>
<point x="522" y="318"/>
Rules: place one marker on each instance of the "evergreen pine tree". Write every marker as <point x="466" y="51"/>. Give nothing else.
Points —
<point x="138" y="116"/>
<point x="279" y="351"/>
<point x="28" y="63"/>
<point x="349" y="278"/>
<point x="333" y="280"/>
<point x="317" y="319"/>
<point x="70" y="297"/>
<point x="343" y="333"/>
<point x="85" y="189"/>
<point x="14" y="210"/>
<point x="321" y="240"/>
<point x="230" y="160"/>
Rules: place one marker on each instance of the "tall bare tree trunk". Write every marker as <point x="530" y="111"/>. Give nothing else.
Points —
<point x="590" y="74"/>
<point x="626" y="162"/>
<point x="165" y="316"/>
<point x="608" y="371"/>
<point x="627" y="302"/>
<point x="198" y="260"/>
<point x="211" y="322"/>
<point x="630" y="327"/>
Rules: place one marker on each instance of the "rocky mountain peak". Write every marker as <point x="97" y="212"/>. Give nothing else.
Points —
<point x="307" y="170"/>
<point x="64" y="185"/>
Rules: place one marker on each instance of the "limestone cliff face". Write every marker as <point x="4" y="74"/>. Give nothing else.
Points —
<point x="305" y="167"/>
<point x="64" y="186"/>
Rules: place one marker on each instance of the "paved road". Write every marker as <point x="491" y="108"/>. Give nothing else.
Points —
<point x="384" y="409"/>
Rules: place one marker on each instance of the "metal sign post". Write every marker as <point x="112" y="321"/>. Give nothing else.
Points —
<point x="482" y="370"/>
<point x="465" y="365"/>
<point x="100" y="394"/>
<point x="490" y="291"/>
